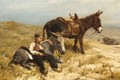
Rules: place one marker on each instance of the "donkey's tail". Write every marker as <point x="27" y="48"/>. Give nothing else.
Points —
<point x="44" y="32"/>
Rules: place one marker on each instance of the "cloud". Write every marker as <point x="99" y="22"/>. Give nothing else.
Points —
<point x="40" y="11"/>
<point x="52" y="1"/>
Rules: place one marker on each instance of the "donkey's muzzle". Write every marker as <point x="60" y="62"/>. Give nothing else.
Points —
<point x="99" y="30"/>
<point x="63" y="52"/>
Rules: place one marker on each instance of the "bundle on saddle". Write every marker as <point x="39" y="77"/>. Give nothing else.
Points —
<point x="70" y="29"/>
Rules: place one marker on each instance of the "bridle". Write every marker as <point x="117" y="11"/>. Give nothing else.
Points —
<point x="82" y="28"/>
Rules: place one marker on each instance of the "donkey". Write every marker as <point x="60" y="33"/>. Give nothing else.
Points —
<point x="49" y="46"/>
<point x="77" y="28"/>
<point x="21" y="57"/>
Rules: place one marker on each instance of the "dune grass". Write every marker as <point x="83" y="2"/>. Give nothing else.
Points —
<point x="12" y="36"/>
<point x="91" y="65"/>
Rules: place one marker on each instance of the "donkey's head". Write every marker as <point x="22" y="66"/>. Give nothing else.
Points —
<point x="91" y="21"/>
<point x="97" y="22"/>
<point x="58" y="42"/>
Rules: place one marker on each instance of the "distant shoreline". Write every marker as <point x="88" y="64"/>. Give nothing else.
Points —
<point x="41" y="25"/>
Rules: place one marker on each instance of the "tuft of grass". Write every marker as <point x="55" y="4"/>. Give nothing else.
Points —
<point x="12" y="36"/>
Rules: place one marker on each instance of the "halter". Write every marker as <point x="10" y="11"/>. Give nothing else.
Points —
<point x="82" y="28"/>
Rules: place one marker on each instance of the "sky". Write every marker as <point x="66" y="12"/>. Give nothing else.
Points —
<point x="38" y="12"/>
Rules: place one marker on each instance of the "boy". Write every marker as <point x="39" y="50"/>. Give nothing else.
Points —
<point x="35" y="46"/>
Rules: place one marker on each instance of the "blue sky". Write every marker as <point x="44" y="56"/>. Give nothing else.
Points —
<point x="40" y="11"/>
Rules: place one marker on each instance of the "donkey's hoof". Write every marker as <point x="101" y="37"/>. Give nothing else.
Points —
<point x="74" y="49"/>
<point x="31" y="64"/>
<point x="57" y="70"/>
<point x="82" y="52"/>
<point x="44" y="71"/>
<point x="28" y="68"/>
<point x="60" y="61"/>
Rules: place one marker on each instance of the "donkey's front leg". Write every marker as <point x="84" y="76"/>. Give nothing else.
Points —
<point x="81" y="44"/>
<point x="75" y="44"/>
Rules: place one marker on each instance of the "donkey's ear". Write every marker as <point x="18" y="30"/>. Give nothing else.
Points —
<point x="71" y="17"/>
<point x="98" y="13"/>
<point x="54" y="34"/>
<point x="76" y="16"/>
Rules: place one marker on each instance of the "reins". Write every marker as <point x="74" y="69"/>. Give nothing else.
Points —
<point x="91" y="34"/>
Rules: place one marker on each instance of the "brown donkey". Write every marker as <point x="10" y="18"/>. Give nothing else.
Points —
<point x="76" y="28"/>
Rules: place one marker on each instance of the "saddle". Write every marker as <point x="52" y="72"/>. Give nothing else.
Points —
<point x="72" y="27"/>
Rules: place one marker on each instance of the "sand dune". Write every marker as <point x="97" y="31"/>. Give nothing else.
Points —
<point x="100" y="62"/>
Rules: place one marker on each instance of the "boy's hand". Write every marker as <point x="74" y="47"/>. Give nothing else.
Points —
<point x="41" y="54"/>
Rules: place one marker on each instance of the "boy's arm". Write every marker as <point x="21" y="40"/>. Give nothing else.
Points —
<point x="34" y="52"/>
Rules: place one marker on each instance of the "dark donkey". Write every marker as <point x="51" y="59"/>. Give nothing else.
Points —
<point x="21" y="55"/>
<point x="79" y="28"/>
<point x="59" y="25"/>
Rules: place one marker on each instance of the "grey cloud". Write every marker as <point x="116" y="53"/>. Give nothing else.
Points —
<point x="40" y="11"/>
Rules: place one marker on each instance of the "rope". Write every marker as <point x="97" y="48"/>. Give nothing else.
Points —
<point x="91" y="34"/>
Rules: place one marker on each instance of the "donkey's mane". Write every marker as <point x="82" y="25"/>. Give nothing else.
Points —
<point x="87" y="17"/>
<point x="84" y="27"/>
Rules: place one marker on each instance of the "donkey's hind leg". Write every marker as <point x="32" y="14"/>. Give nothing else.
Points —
<point x="25" y="65"/>
<point x="13" y="61"/>
<point x="10" y="63"/>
